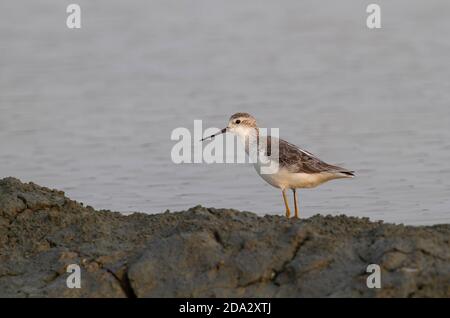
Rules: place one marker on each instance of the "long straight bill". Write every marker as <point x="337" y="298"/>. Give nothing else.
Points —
<point x="212" y="136"/>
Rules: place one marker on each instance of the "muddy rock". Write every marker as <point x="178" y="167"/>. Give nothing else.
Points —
<point x="207" y="252"/>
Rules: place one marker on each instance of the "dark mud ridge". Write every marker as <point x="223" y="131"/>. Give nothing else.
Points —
<point x="206" y="252"/>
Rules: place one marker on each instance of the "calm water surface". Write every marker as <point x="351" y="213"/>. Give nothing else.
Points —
<point x="91" y="111"/>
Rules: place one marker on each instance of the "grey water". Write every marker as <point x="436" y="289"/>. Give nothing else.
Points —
<point x="91" y="111"/>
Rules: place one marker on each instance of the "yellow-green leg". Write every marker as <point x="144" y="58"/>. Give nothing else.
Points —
<point x="295" y="203"/>
<point x="288" y="211"/>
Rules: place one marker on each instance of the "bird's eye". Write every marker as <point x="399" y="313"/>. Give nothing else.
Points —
<point x="238" y="121"/>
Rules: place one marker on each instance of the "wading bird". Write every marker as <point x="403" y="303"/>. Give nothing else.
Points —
<point x="296" y="168"/>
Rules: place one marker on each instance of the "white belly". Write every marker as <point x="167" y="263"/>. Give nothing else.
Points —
<point x="284" y="179"/>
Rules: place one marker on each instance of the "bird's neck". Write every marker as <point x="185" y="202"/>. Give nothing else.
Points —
<point x="250" y="138"/>
<point x="259" y="149"/>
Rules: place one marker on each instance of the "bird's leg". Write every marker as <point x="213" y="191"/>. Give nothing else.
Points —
<point x="295" y="203"/>
<point x="288" y="211"/>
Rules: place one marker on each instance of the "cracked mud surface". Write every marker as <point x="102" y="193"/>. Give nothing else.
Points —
<point x="207" y="252"/>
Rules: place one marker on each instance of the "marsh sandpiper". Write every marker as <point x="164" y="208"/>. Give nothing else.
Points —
<point x="296" y="168"/>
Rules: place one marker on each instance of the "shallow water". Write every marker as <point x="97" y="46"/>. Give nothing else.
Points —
<point x="91" y="111"/>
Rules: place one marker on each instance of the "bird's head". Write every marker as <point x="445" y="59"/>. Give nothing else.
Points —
<point x="241" y="124"/>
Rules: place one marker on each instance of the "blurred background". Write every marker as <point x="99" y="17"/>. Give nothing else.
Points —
<point x="91" y="111"/>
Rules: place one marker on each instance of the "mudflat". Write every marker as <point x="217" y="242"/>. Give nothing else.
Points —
<point x="208" y="252"/>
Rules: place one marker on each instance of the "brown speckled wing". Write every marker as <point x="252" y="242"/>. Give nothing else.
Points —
<point x="297" y="160"/>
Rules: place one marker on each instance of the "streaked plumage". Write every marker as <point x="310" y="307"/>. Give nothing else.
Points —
<point x="297" y="168"/>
